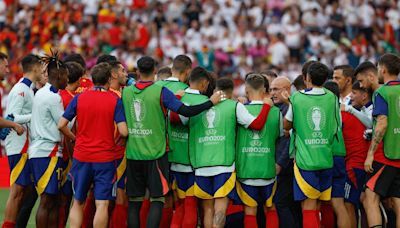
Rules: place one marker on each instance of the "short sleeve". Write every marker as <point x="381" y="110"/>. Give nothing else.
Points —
<point x="289" y="114"/>
<point x="119" y="113"/>
<point x="169" y="100"/>
<point x="380" y="106"/>
<point x="70" y="112"/>
<point x="243" y="115"/>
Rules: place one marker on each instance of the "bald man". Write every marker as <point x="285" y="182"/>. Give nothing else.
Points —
<point x="289" y="211"/>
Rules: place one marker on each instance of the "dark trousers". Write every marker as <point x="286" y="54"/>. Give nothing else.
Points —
<point x="289" y="211"/>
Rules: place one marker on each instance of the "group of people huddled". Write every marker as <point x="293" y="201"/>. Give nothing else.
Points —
<point x="176" y="148"/>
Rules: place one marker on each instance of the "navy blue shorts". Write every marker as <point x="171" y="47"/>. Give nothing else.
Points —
<point x="312" y="184"/>
<point x="47" y="174"/>
<point x="101" y="174"/>
<point x="339" y="177"/>
<point x="20" y="170"/>
<point x="66" y="183"/>
<point x="183" y="183"/>
<point x="252" y="196"/>
<point x="121" y="173"/>
<point x="218" y="186"/>
<point x="354" y="186"/>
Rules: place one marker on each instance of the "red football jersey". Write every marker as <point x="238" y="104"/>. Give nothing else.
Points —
<point x="84" y="85"/>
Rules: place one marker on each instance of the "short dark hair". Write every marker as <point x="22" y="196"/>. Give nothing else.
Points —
<point x="101" y="73"/>
<point x="333" y="87"/>
<point x="256" y="81"/>
<point x="198" y="74"/>
<point x="225" y="84"/>
<point x="76" y="58"/>
<point x="270" y="73"/>
<point x="364" y="67"/>
<point x="146" y="65"/>
<point x="181" y="63"/>
<point x="391" y="63"/>
<point x="357" y="86"/>
<point x="3" y="56"/>
<point x="298" y="83"/>
<point x="29" y="61"/>
<point x="347" y="70"/>
<point x="306" y="65"/>
<point x="114" y="64"/>
<point x="318" y="73"/>
<point x="165" y="70"/>
<point x="211" y="84"/>
<point x="106" y="59"/>
<point x="75" y="72"/>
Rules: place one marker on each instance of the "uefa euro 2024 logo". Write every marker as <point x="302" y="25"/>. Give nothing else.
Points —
<point x="316" y="119"/>
<point x="138" y="112"/>
<point x="210" y="119"/>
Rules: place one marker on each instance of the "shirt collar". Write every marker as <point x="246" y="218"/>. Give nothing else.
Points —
<point x="53" y="89"/>
<point x="193" y="91"/>
<point x="318" y="91"/>
<point x="26" y="81"/>
<point x="394" y="82"/>
<point x="174" y="79"/>
<point x="256" y="102"/>
<point x="368" y="104"/>
<point x="99" y="88"/>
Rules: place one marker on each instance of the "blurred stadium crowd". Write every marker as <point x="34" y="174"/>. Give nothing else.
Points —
<point x="229" y="37"/>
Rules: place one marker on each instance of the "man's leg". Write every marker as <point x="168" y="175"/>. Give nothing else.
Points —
<point x="101" y="215"/>
<point x="351" y="211"/>
<point x="371" y="206"/>
<point x="81" y="176"/>
<point x="136" y="172"/>
<point x="250" y="217"/>
<point x="76" y="214"/>
<point x="65" y="203"/>
<point x="338" y="184"/>
<point x="220" y="206"/>
<point x="396" y="208"/>
<point x="135" y="204"/>
<point x="208" y="210"/>
<point x="343" y="218"/>
<point x="119" y="215"/>
<point x="20" y="176"/>
<point x="47" y="213"/>
<point x="28" y="203"/>
<point x="284" y="201"/>
<point x="13" y="204"/>
<point x="155" y="213"/>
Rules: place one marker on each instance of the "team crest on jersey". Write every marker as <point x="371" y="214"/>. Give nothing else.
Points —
<point x="316" y="118"/>
<point x="210" y="120"/>
<point x="138" y="112"/>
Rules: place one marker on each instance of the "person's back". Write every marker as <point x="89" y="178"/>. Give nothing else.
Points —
<point x="146" y="123"/>
<point x="93" y="163"/>
<point x="95" y="114"/>
<point x="314" y="116"/>
<point x="315" y="113"/>
<point x="211" y="131"/>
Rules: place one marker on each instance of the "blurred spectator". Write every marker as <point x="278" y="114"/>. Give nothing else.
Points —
<point x="229" y="37"/>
